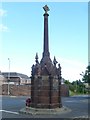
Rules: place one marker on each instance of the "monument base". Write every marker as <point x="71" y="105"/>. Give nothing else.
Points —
<point x="46" y="106"/>
<point x="39" y="111"/>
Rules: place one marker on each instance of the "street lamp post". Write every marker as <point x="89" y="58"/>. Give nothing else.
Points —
<point x="8" y="76"/>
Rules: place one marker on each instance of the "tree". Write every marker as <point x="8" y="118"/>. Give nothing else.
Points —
<point x="86" y="75"/>
<point x="78" y="86"/>
<point x="86" y="78"/>
<point x="66" y="82"/>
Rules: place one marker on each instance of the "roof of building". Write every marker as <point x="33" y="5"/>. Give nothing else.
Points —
<point x="2" y="77"/>
<point x="14" y="74"/>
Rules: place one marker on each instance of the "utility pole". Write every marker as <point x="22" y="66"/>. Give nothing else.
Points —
<point x="8" y="76"/>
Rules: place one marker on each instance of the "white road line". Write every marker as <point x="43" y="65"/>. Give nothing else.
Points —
<point x="85" y="116"/>
<point x="72" y="101"/>
<point x="13" y="96"/>
<point x="9" y="112"/>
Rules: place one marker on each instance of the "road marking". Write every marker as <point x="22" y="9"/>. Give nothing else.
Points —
<point x="13" y="96"/>
<point x="9" y="112"/>
<point x="85" y="116"/>
<point x="72" y="101"/>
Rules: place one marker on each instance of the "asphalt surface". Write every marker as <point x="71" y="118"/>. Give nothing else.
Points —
<point x="11" y="106"/>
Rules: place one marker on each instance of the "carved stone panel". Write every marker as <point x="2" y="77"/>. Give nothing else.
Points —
<point x="55" y="84"/>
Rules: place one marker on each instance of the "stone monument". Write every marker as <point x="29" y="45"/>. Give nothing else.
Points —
<point x="46" y="76"/>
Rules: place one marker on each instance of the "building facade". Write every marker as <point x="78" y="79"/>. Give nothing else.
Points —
<point x="16" y="78"/>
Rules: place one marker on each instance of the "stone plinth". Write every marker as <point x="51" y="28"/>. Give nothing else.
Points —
<point x="39" y="111"/>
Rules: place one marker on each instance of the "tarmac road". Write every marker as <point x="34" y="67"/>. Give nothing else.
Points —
<point x="79" y="106"/>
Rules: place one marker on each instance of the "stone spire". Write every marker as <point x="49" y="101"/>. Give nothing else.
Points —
<point x="36" y="57"/>
<point x="55" y="61"/>
<point x="46" y="40"/>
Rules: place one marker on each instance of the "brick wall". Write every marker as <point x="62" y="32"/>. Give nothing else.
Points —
<point x="16" y="90"/>
<point x="25" y="90"/>
<point x="64" y="90"/>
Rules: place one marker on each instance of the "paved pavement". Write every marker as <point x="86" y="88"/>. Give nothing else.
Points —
<point x="79" y="106"/>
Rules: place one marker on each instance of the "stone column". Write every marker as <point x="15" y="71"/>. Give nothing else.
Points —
<point x="32" y="91"/>
<point x="50" y="91"/>
<point x="46" y="41"/>
<point x="59" y="92"/>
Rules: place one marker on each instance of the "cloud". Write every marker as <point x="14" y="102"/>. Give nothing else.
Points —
<point x="71" y="68"/>
<point x="2" y="12"/>
<point x="72" y="62"/>
<point x="3" y="28"/>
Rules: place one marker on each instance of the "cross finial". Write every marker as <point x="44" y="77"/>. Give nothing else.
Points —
<point x="46" y="8"/>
